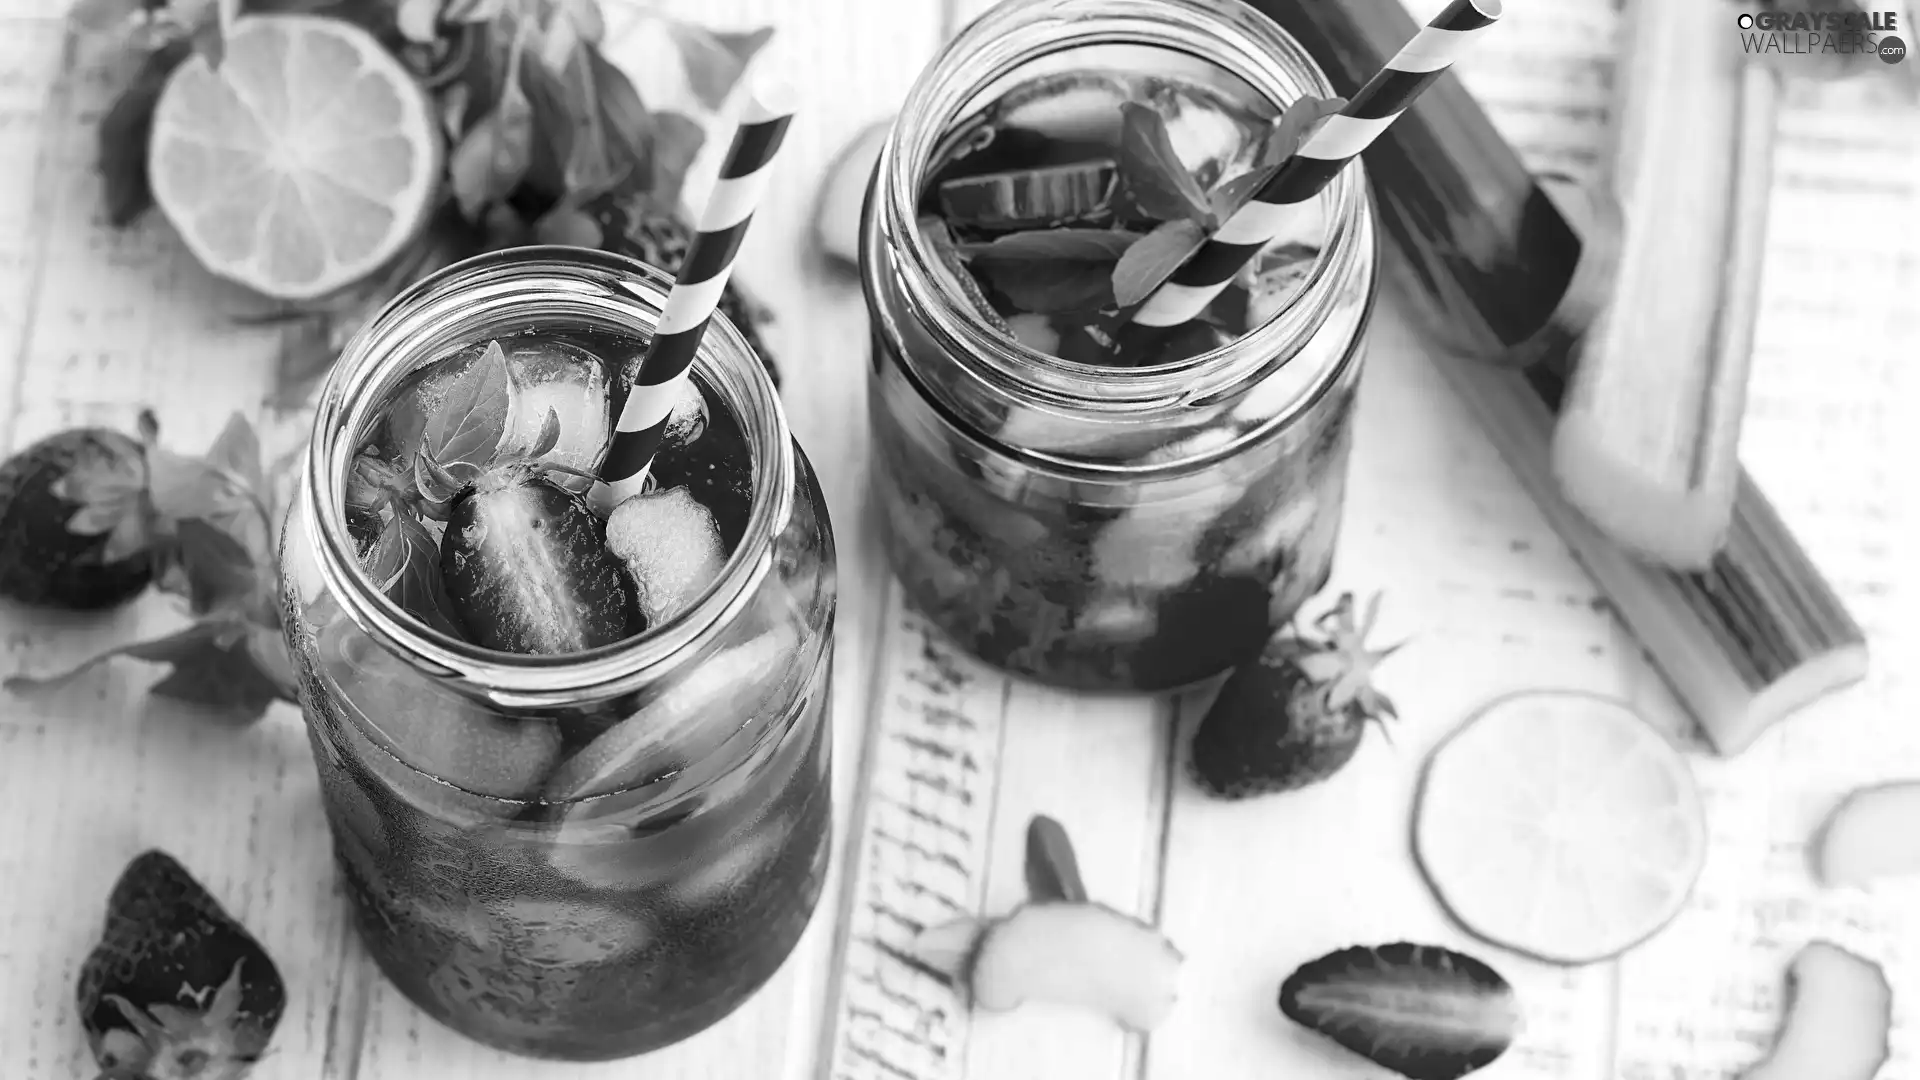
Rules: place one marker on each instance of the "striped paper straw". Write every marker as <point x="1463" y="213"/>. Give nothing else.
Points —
<point x="695" y="294"/>
<point x="1337" y="141"/>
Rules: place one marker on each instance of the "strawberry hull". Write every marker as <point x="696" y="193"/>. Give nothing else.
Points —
<point x="527" y="570"/>
<point x="192" y="977"/>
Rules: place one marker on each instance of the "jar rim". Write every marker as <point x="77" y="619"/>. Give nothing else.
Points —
<point x="1247" y="45"/>
<point x="412" y="330"/>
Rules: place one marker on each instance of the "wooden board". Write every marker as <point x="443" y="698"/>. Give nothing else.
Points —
<point x="93" y="326"/>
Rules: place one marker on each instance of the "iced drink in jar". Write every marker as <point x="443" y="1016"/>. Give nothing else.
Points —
<point x="575" y="768"/>
<point x="1073" y="497"/>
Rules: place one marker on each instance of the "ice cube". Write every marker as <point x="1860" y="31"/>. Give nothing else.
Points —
<point x="737" y="681"/>
<point x="1036" y="332"/>
<point x="1214" y="139"/>
<point x="1254" y="552"/>
<point x="1079" y="106"/>
<point x="1153" y="544"/>
<point x="688" y="420"/>
<point x="671" y="546"/>
<point x="571" y="383"/>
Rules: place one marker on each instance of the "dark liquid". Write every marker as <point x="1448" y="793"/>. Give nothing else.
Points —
<point x="1048" y="156"/>
<point x="584" y="929"/>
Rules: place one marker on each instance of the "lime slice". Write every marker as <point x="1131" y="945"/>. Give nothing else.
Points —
<point x="305" y="162"/>
<point x="1561" y="825"/>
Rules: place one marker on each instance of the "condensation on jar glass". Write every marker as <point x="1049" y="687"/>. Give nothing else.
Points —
<point x="1090" y="504"/>
<point x="593" y="854"/>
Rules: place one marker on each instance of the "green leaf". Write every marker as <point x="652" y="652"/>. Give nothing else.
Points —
<point x="307" y="353"/>
<point x="1151" y="172"/>
<point x="213" y="667"/>
<point x="1052" y="871"/>
<point x="437" y="483"/>
<point x="474" y="11"/>
<point x="676" y="142"/>
<point x="625" y="119"/>
<point x="1295" y="125"/>
<point x="1054" y="271"/>
<point x="549" y="436"/>
<point x="714" y="64"/>
<point x="388" y="557"/>
<point x="217" y="571"/>
<point x="496" y="153"/>
<point x="182" y="487"/>
<point x="236" y="453"/>
<point x="1154" y="258"/>
<point x="125" y="131"/>
<point x="469" y="423"/>
<point x="418" y="588"/>
<point x="100" y="18"/>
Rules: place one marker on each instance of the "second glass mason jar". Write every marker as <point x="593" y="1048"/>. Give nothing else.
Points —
<point x="592" y="854"/>
<point x="1088" y="504"/>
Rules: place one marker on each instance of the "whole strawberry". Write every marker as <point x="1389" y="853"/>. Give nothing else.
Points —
<point x="1295" y="716"/>
<point x="176" y="989"/>
<point x="73" y="521"/>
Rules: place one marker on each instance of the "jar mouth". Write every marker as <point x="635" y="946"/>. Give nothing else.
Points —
<point x="1244" y="44"/>
<point x="567" y="286"/>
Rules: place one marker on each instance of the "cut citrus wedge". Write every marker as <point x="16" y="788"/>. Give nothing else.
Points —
<point x="308" y="159"/>
<point x="1560" y="825"/>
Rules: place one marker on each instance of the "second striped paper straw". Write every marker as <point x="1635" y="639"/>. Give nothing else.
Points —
<point x="1337" y="141"/>
<point x="695" y="294"/>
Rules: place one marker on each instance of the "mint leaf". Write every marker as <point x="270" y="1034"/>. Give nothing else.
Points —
<point x="213" y="667"/>
<point x="497" y="152"/>
<point x="1295" y="125"/>
<point x="549" y="436"/>
<point x="1053" y="271"/>
<point x="714" y="64"/>
<point x="1281" y="142"/>
<point x="676" y="142"/>
<point x="626" y="121"/>
<point x="1151" y="172"/>
<point x="1153" y="259"/>
<point x="469" y="423"/>
<point x="126" y="129"/>
<point x="218" y="573"/>
<point x="440" y="483"/>
<point x="419" y="589"/>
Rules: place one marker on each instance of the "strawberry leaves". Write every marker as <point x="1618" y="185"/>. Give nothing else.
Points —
<point x="211" y="523"/>
<point x="1053" y="271"/>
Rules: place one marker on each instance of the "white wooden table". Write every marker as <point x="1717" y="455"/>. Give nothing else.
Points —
<point x="94" y="326"/>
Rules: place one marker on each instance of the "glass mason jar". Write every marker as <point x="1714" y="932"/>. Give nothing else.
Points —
<point x="649" y="905"/>
<point x="1084" y="524"/>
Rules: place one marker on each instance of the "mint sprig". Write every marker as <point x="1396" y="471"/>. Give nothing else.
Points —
<point x="1197" y="214"/>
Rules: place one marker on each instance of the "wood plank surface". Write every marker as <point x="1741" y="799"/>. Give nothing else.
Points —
<point x="94" y="326"/>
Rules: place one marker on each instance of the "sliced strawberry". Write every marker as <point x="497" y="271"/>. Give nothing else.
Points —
<point x="1426" y="1012"/>
<point x="527" y="569"/>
